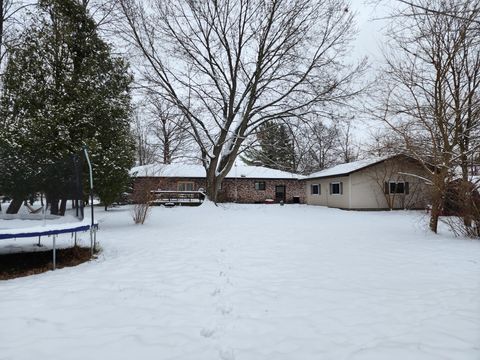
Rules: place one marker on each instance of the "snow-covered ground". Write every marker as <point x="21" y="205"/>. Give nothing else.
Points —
<point x="250" y="282"/>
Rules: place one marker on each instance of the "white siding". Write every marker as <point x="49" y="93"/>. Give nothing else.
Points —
<point x="325" y="198"/>
<point x="364" y="189"/>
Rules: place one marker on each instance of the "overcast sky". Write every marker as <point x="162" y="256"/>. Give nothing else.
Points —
<point x="369" y="41"/>
<point x="371" y="28"/>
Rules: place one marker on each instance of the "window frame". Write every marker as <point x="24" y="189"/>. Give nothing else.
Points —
<point x="390" y="183"/>
<point x="340" y="188"/>
<point x="185" y="183"/>
<point x="319" y="190"/>
<point x="259" y="188"/>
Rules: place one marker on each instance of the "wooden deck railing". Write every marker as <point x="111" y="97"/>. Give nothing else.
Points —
<point x="177" y="197"/>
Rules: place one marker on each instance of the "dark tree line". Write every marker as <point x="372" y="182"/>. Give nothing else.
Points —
<point x="63" y="89"/>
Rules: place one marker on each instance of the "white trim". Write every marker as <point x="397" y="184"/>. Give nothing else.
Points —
<point x="349" y="192"/>
<point x="396" y="193"/>
<point x="260" y="182"/>
<point x="319" y="190"/>
<point x="339" y="187"/>
<point x="185" y="183"/>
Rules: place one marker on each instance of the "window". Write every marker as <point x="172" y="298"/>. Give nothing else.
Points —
<point x="315" y="189"/>
<point x="336" y="188"/>
<point x="396" y="187"/>
<point x="185" y="186"/>
<point x="260" y="185"/>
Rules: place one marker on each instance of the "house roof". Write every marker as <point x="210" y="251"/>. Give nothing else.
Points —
<point x="348" y="168"/>
<point x="198" y="171"/>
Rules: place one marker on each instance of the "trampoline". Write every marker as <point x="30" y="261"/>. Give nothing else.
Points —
<point x="53" y="230"/>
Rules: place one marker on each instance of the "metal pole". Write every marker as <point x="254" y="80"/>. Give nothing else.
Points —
<point x="85" y="150"/>
<point x="54" y="252"/>
<point x="95" y="239"/>
<point x="91" y="241"/>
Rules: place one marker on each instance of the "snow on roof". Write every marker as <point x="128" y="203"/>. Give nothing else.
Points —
<point x="345" y="169"/>
<point x="198" y="171"/>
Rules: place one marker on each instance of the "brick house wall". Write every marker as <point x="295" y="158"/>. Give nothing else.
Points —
<point x="244" y="191"/>
<point x="240" y="190"/>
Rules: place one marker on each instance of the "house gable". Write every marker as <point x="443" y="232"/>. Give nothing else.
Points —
<point x="369" y="185"/>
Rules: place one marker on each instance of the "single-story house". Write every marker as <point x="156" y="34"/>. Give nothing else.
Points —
<point x="243" y="184"/>
<point x="394" y="182"/>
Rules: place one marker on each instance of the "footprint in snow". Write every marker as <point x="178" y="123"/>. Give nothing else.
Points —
<point x="216" y="292"/>
<point x="226" y="354"/>
<point x="206" y="333"/>
<point x="225" y="310"/>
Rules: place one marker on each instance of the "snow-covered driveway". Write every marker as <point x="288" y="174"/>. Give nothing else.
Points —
<point x="251" y="282"/>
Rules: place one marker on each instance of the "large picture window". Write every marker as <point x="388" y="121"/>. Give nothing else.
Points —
<point x="315" y="189"/>
<point x="185" y="186"/>
<point x="260" y="185"/>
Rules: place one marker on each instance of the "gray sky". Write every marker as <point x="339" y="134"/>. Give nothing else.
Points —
<point x="369" y="42"/>
<point x="371" y="28"/>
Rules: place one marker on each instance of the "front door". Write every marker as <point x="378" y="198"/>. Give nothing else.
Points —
<point x="280" y="193"/>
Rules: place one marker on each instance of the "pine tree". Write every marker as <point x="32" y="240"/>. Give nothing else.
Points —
<point x="63" y="89"/>
<point x="274" y="149"/>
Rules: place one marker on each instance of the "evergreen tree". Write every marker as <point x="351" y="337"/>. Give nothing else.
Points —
<point x="63" y="89"/>
<point x="274" y="149"/>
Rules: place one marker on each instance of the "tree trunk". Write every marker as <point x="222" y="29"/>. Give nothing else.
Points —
<point x="437" y="205"/>
<point x="434" y="218"/>
<point x="166" y="153"/>
<point x="466" y="201"/>
<point x="63" y="206"/>
<point x="53" y="206"/>
<point x="14" y="206"/>
<point x="212" y="189"/>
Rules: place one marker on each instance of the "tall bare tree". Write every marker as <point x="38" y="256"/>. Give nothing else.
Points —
<point x="348" y="149"/>
<point x="169" y="130"/>
<point x="431" y="88"/>
<point x="459" y="11"/>
<point x="146" y="152"/>
<point x="316" y="141"/>
<point x="11" y="12"/>
<point x="229" y="66"/>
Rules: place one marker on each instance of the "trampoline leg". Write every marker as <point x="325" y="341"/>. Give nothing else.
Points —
<point x="39" y="244"/>
<point x="94" y="239"/>
<point x="54" y="252"/>
<point x="91" y="241"/>
<point x="75" y="238"/>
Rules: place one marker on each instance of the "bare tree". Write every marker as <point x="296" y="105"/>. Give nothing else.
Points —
<point x="430" y="88"/>
<point x="142" y="198"/>
<point x="384" y="142"/>
<point x="316" y="142"/>
<point x="459" y="11"/>
<point x="146" y="151"/>
<point x="394" y="181"/>
<point x="169" y="129"/>
<point x="348" y="149"/>
<point x="11" y="12"/>
<point x="229" y="66"/>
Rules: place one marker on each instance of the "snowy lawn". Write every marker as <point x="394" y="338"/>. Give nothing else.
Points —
<point x="250" y="282"/>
